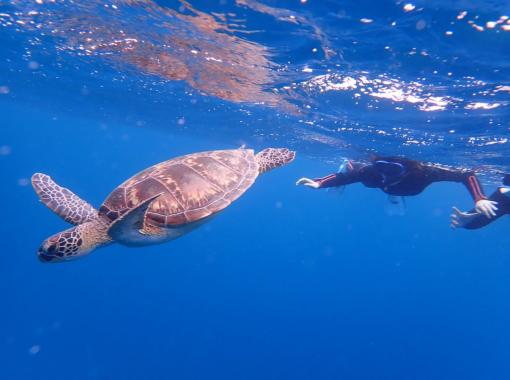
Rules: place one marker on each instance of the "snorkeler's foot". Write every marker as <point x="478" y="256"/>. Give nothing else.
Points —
<point x="459" y="219"/>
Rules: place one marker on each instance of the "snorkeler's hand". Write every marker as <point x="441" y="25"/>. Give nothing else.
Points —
<point x="459" y="218"/>
<point x="308" y="182"/>
<point x="486" y="207"/>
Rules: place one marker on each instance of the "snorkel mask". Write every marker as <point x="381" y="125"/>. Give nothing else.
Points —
<point x="345" y="166"/>
<point x="391" y="172"/>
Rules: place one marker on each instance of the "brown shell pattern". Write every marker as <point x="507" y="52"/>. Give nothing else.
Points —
<point x="192" y="187"/>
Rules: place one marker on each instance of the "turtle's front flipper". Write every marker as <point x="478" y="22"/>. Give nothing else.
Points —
<point x="128" y="229"/>
<point x="62" y="201"/>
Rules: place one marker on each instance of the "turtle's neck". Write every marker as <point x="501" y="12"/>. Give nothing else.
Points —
<point x="94" y="234"/>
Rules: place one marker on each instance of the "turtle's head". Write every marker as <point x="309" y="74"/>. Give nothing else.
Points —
<point x="60" y="247"/>
<point x="72" y="244"/>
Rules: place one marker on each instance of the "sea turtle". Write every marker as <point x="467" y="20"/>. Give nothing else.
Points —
<point x="156" y="205"/>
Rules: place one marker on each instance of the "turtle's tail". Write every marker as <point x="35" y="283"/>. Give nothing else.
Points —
<point x="271" y="158"/>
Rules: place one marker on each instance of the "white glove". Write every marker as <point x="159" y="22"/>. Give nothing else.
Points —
<point x="459" y="218"/>
<point x="486" y="207"/>
<point x="308" y="182"/>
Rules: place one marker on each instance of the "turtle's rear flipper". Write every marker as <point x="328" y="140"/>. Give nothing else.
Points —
<point x="62" y="201"/>
<point x="128" y="228"/>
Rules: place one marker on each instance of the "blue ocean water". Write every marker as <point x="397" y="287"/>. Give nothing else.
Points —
<point x="287" y="282"/>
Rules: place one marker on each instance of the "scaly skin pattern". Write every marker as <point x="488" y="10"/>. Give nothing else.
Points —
<point x="271" y="158"/>
<point x="62" y="201"/>
<point x="75" y="242"/>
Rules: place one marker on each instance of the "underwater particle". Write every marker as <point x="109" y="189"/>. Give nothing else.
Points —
<point x="5" y="150"/>
<point x="307" y="70"/>
<point x="490" y="24"/>
<point x="421" y="24"/>
<point x="33" y="65"/>
<point x="506" y="28"/>
<point x="181" y="121"/>
<point x="303" y="1"/>
<point x="34" y="350"/>
<point x="4" y="90"/>
<point x="461" y="15"/>
<point x="475" y="26"/>
<point x="448" y="33"/>
<point x="366" y="20"/>
<point x="55" y="325"/>
<point x="409" y="7"/>
<point x="23" y="182"/>
<point x="314" y="50"/>
<point x="39" y="2"/>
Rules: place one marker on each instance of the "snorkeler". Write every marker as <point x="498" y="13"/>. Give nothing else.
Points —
<point x="398" y="176"/>
<point x="472" y="219"/>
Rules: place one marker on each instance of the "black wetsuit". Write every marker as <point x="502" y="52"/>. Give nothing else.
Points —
<point x="401" y="176"/>
<point x="503" y="209"/>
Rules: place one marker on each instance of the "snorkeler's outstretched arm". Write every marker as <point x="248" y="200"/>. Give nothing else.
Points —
<point x="331" y="180"/>
<point x="308" y="182"/>
<point x="483" y="205"/>
<point x="474" y="219"/>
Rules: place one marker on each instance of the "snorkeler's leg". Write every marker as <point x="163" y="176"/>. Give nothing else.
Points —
<point x="483" y="205"/>
<point x="474" y="220"/>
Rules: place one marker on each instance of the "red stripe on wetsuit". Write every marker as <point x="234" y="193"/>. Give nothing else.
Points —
<point x="474" y="185"/>
<point x="330" y="178"/>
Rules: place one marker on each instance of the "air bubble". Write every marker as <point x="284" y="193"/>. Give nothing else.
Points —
<point x="33" y="65"/>
<point x="5" y="150"/>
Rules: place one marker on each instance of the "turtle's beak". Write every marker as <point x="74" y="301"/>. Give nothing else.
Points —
<point x="43" y="257"/>
<point x="47" y="252"/>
